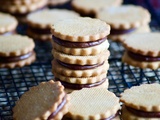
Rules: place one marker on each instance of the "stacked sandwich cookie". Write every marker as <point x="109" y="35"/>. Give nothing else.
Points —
<point x="125" y="20"/>
<point x="80" y="50"/>
<point x="39" y="22"/>
<point x="20" y="8"/>
<point x="46" y="101"/>
<point x="141" y="102"/>
<point x="16" y="51"/>
<point x="8" y="24"/>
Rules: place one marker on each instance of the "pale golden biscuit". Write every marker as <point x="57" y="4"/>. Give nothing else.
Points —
<point x="88" y="7"/>
<point x="103" y="85"/>
<point x="125" y="16"/>
<point x="22" y="9"/>
<point x="141" y="102"/>
<point x="57" y="2"/>
<point x="122" y="37"/>
<point x="16" y="51"/>
<point x="80" y="73"/>
<point x="8" y="23"/>
<point x="81" y="60"/>
<point x="94" y="50"/>
<point x="41" y="101"/>
<point x="142" y="50"/>
<point x="18" y="2"/>
<point x="80" y="80"/>
<point x="15" y="45"/>
<point x="80" y="29"/>
<point x="93" y="103"/>
<point x="45" y="18"/>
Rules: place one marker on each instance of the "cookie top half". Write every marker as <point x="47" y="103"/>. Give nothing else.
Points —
<point x="41" y="101"/>
<point x="92" y="103"/>
<point x="7" y="23"/>
<point x="125" y="16"/>
<point x="80" y="29"/>
<point x="144" y="97"/>
<point x="15" y="45"/>
<point x="147" y="44"/>
<point x="93" y="5"/>
<point x="45" y="18"/>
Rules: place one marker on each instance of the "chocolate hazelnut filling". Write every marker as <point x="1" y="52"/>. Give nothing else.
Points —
<point x="119" y="31"/>
<point x="80" y="86"/>
<point x="112" y="117"/>
<point x="60" y="106"/>
<point x="78" y="44"/>
<point x="79" y="67"/>
<point x="143" y="113"/>
<point x="16" y="58"/>
<point x="39" y="31"/>
<point x="142" y="57"/>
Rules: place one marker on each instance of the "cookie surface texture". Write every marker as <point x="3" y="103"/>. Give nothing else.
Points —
<point x="93" y="103"/>
<point x="41" y="101"/>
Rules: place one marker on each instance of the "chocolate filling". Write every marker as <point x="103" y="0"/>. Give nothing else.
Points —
<point x="78" y="44"/>
<point x="80" y="86"/>
<point x="39" y="31"/>
<point x="79" y="67"/>
<point x="16" y="58"/>
<point x="143" y="113"/>
<point x="119" y="32"/>
<point x="112" y="117"/>
<point x="60" y="106"/>
<point x="142" y="57"/>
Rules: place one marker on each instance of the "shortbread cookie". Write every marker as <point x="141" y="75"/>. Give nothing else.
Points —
<point x="82" y="60"/>
<point x="141" y="102"/>
<point x="80" y="29"/>
<point x="120" y="20"/>
<point x="16" y="51"/>
<point x="142" y="50"/>
<point x="80" y="49"/>
<point x="46" y="101"/>
<point x="40" y="22"/>
<point x="93" y="104"/>
<point x="25" y="8"/>
<point x="79" y="71"/>
<point x="80" y="80"/>
<point x="8" y="24"/>
<point x="69" y="87"/>
<point x="89" y="7"/>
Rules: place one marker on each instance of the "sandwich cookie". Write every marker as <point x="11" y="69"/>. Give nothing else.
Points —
<point x="46" y="101"/>
<point x="125" y="20"/>
<point x="8" y="24"/>
<point x="93" y="104"/>
<point x="142" y="50"/>
<point x="80" y="57"/>
<point x="89" y="7"/>
<point x="16" y="51"/>
<point x="39" y="22"/>
<point x="141" y="102"/>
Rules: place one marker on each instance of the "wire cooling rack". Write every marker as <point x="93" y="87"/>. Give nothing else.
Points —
<point x="14" y="82"/>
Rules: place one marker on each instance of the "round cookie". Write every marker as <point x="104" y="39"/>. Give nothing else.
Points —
<point x="16" y="51"/>
<point x="40" y="22"/>
<point x="8" y="24"/>
<point x="93" y="103"/>
<point x="80" y="29"/>
<point x="142" y="55"/>
<point x="141" y="102"/>
<point x="44" y="101"/>
<point x="89" y="7"/>
<point x="121" y="22"/>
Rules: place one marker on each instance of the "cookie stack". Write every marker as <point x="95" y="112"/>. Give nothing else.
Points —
<point x="80" y="50"/>
<point x="20" y="8"/>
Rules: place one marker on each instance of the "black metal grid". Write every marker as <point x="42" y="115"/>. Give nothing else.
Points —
<point x="14" y="82"/>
